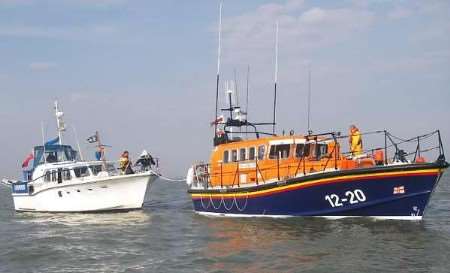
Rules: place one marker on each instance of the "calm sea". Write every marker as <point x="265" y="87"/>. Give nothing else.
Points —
<point x="166" y="236"/>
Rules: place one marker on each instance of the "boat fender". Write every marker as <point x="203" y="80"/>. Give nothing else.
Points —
<point x="190" y="176"/>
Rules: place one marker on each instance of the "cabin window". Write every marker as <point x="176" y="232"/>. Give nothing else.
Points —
<point x="81" y="171"/>
<point x="66" y="174"/>
<point x="321" y="150"/>
<point x="251" y="153"/>
<point x="302" y="150"/>
<point x="95" y="169"/>
<point x="261" y="151"/>
<point x="281" y="151"/>
<point x="226" y="156"/>
<point x="242" y="154"/>
<point x="234" y="155"/>
<point x="48" y="176"/>
<point x="54" y="176"/>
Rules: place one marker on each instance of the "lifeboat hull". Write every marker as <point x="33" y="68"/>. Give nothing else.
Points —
<point x="397" y="192"/>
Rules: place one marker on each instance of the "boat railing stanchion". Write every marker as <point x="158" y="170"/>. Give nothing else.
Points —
<point x="256" y="169"/>
<point x="238" y="174"/>
<point x="221" y="175"/>
<point x="278" y="165"/>
<point x="385" y="148"/>
<point x="335" y="151"/>
<point x="441" y="146"/>
<point x="417" y="152"/>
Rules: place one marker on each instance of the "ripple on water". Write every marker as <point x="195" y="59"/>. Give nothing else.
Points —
<point x="166" y="236"/>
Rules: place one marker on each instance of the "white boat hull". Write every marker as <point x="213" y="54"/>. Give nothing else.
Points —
<point x="124" y="192"/>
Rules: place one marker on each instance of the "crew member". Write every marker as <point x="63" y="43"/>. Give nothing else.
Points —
<point x="145" y="160"/>
<point x="100" y="153"/>
<point x="125" y="163"/>
<point x="355" y="140"/>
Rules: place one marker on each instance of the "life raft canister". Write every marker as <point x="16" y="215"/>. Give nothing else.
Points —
<point x="420" y="159"/>
<point x="378" y="156"/>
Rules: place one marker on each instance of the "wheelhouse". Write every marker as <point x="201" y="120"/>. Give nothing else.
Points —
<point x="270" y="158"/>
<point x="53" y="154"/>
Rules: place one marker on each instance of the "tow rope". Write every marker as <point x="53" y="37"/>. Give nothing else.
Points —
<point x="172" y="179"/>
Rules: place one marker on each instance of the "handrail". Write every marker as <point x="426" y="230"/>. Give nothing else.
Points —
<point x="390" y="141"/>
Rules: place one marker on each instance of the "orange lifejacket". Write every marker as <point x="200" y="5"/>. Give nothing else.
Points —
<point x="355" y="141"/>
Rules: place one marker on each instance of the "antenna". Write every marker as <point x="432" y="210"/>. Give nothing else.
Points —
<point x="59" y="122"/>
<point x="218" y="66"/>
<point x="236" y="93"/>
<point x="276" y="79"/>
<point x="309" y="99"/>
<point x="246" y="99"/>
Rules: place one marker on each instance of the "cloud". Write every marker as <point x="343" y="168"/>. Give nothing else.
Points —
<point x="42" y="66"/>
<point x="249" y="37"/>
<point x="92" y="3"/>
<point x="91" y="32"/>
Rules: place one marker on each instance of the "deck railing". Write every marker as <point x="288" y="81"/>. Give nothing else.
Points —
<point x="203" y="175"/>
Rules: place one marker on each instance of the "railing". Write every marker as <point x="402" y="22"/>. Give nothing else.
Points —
<point x="397" y="145"/>
<point x="203" y="175"/>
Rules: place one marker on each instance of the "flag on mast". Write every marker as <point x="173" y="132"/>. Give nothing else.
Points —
<point x="92" y="139"/>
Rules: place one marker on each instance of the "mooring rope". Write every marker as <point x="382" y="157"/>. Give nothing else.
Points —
<point x="172" y="179"/>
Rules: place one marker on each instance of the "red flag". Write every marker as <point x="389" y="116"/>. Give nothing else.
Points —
<point x="27" y="160"/>
<point x="217" y="121"/>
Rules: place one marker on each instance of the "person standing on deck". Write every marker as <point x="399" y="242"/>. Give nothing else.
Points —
<point x="125" y="163"/>
<point x="355" y="140"/>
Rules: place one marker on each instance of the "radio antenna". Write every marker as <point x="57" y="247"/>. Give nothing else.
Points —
<point x="276" y="79"/>
<point x="218" y="67"/>
<point x="246" y="98"/>
<point x="309" y="100"/>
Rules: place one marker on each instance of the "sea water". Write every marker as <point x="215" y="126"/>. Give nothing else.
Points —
<point x="167" y="236"/>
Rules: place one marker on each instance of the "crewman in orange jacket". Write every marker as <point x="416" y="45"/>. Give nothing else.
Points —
<point x="355" y="140"/>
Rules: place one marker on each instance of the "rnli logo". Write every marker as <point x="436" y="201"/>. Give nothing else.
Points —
<point x="399" y="190"/>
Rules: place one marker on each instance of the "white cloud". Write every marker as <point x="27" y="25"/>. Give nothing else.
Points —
<point x="313" y="16"/>
<point x="91" y="32"/>
<point x="42" y="66"/>
<point x="249" y="38"/>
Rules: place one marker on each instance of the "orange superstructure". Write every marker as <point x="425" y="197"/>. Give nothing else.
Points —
<point x="276" y="158"/>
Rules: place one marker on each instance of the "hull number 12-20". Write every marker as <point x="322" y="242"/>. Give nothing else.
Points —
<point x="351" y="197"/>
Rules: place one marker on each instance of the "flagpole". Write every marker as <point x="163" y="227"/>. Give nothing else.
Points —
<point x="102" y="152"/>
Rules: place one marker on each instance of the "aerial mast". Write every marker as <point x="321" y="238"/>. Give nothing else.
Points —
<point x="218" y="67"/>
<point x="59" y="122"/>
<point x="275" y="81"/>
<point x="309" y="99"/>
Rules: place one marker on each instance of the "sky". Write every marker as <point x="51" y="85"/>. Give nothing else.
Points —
<point x="143" y="73"/>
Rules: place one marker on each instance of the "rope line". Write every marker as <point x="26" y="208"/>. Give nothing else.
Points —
<point x="172" y="179"/>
